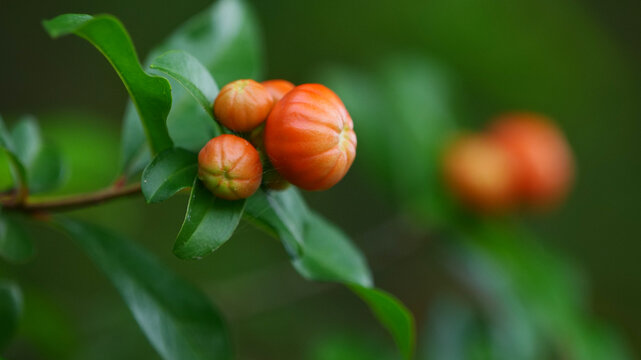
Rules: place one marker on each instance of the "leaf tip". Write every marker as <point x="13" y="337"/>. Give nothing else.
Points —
<point x="182" y="253"/>
<point x="64" y="24"/>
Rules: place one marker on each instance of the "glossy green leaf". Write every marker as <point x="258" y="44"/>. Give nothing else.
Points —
<point x="15" y="244"/>
<point x="328" y="255"/>
<point x="178" y="319"/>
<point x="191" y="74"/>
<point x="151" y="95"/>
<point x="43" y="163"/>
<point x="209" y="223"/>
<point x="10" y="311"/>
<point x="396" y="318"/>
<point x="282" y="214"/>
<point x="319" y="251"/>
<point x="169" y="172"/>
<point x="225" y="40"/>
<point x="191" y="128"/>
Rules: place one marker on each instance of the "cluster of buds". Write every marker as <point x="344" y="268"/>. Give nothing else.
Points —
<point x="284" y="134"/>
<point x="522" y="159"/>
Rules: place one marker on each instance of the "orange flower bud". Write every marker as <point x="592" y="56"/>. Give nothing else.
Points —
<point x="242" y="105"/>
<point x="230" y="167"/>
<point x="542" y="157"/>
<point x="479" y="172"/>
<point x="309" y="137"/>
<point x="278" y="88"/>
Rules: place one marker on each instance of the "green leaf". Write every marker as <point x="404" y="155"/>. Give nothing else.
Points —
<point x="328" y="255"/>
<point x="421" y="94"/>
<point x="209" y="223"/>
<point x="190" y="127"/>
<point x="17" y="168"/>
<point x="5" y="137"/>
<point x="455" y="331"/>
<point x="43" y="163"/>
<point x="135" y="155"/>
<point x="418" y="94"/>
<point x="282" y="214"/>
<point x="319" y="251"/>
<point x="348" y="344"/>
<point x="26" y="139"/>
<point x="15" y="243"/>
<point x="508" y="316"/>
<point x="10" y="311"/>
<point x="531" y="298"/>
<point x="48" y="171"/>
<point x="191" y="74"/>
<point x="151" y="95"/>
<point x="178" y="319"/>
<point x="17" y="171"/>
<point x="225" y="40"/>
<point x="396" y="318"/>
<point x="169" y="172"/>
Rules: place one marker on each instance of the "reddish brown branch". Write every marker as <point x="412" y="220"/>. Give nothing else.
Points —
<point x="72" y="202"/>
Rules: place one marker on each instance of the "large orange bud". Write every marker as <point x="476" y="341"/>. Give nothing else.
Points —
<point x="278" y="88"/>
<point x="542" y="157"/>
<point x="480" y="173"/>
<point x="309" y="137"/>
<point x="230" y="167"/>
<point x="242" y="105"/>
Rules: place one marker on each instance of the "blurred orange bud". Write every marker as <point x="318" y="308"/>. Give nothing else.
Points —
<point x="480" y="173"/>
<point x="542" y="158"/>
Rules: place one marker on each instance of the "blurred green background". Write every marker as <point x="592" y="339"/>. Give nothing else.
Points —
<point x="574" y="60"/>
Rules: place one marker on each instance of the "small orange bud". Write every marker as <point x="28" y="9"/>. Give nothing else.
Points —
<point x="278" y="88"/>
<point x="542" y="157"/>
<point x="309" y="137"/>
<point x="479" y="172"/>
<point x="230" y="167"/>
<point x="242" y="105"/>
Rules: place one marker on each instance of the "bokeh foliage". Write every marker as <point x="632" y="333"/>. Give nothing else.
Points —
<point x="550" y="56"/>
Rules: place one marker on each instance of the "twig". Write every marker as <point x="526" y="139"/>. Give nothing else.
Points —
<point x="71" y="202"/>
